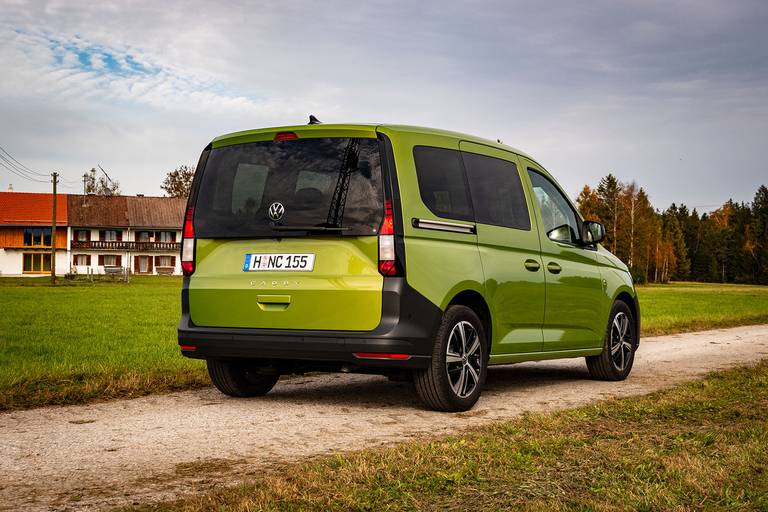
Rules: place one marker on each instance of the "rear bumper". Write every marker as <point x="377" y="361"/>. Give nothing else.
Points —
<point x="407" y="326"/>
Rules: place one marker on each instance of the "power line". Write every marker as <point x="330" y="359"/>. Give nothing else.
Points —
<point x="9" y="162"/>
<point x="11" y="169"/>
<point x="18" y="170"/>
<point x="27" y="169"/>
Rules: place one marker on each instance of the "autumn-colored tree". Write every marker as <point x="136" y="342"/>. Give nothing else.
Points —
<point x="730" y="244"/>
<point x="178" y="182"/>
<point x="589" y="204"/>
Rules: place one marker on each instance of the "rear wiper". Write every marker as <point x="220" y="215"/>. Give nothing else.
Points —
<point x="309" y="228"/>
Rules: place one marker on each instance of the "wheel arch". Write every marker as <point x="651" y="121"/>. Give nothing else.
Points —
<point x="631" y="301"/>
<point x="476" y="302"/>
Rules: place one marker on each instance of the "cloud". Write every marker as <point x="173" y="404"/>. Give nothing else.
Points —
<point x="658" y="91"/>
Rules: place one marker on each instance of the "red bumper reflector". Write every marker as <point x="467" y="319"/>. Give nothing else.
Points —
<point x="376" y="355"/>
<point x="188" y="348"/>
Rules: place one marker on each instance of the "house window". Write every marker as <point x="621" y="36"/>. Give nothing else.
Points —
<point x="143" y="236"/>
<point x="110" y="260"/>
<point x="110" y="236"/>
<point x="82" y="236"/>
<point x="143" y="264"/>
<point x="36" y="263"/>
<point x="37" y="237"/>
<point x="165" y="261"/>
<point x="166" y="236"/>
<point x="82" y="260"/>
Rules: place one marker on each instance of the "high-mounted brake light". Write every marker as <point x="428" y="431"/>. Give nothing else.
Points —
<point x="286" y="136"/>
<point x="387" y="259"/>
<point x="188" y="244"/>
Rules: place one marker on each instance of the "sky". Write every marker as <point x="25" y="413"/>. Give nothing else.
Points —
<point x="670" y="94"/>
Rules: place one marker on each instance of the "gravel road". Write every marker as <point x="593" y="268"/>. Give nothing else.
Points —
<point x="159" y="447"/>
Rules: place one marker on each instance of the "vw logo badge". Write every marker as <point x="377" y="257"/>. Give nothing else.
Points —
<point x="276" y="211"/>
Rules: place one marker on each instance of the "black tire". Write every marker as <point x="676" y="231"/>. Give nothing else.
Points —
<point x="615" y="361"/>
<point x="434" y="384"/>
<point x="236" y="379"/>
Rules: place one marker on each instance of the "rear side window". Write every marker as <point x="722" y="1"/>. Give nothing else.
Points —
<point x="497" y="193"/>
<point x="321" y="183"/>
<point x="442" y="183"/>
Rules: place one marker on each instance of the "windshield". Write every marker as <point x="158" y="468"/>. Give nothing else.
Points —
<point x="293" y="187"/>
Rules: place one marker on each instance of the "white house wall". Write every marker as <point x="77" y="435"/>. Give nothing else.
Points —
<point x="126" y="256"/>
<point x="12" y="262"/>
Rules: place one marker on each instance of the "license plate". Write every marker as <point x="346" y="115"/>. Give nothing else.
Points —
<point x="279" y="262"/>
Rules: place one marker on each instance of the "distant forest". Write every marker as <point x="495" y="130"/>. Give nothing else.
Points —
<point x="727" y="245"/>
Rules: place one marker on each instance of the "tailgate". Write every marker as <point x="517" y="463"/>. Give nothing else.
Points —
<point x="342" y="292"/>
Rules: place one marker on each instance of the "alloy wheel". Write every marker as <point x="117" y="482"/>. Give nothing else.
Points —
<point x="463" y="359"/>
<point x="621" y="341"/>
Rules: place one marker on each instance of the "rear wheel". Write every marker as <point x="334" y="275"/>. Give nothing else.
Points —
<point x="618" y="355"/>
<point x="236" y="378"/>
<point x="456" y="375"/>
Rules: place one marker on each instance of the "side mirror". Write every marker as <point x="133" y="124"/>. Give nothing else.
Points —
<point x="592" y="232"/>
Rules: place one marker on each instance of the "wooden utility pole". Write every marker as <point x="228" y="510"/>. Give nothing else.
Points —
<point x="55" y="177"/>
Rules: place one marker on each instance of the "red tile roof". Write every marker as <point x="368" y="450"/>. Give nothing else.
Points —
<point x="31" y="209"/>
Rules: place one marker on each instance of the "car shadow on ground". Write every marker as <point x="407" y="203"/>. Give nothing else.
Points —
<point x="373" y="391"/>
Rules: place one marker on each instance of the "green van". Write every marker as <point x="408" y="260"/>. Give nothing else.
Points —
<point x="409" y="252"/>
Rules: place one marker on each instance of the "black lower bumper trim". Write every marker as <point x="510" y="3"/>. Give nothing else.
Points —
<point x="407" y="326"/>
<point x="302" y="349"/>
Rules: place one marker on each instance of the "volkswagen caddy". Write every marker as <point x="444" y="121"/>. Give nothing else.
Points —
<point x="416" y="253"/>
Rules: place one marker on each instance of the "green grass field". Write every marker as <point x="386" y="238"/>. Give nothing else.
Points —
<point x="685" y="307"/>
<point x="700" y="446"/>
<point x="83" y="341"/>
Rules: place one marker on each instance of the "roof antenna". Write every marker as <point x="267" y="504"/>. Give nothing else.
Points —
<point x="314" y="120"/>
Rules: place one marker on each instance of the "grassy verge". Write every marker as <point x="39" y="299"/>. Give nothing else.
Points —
<point x="700" y="446"/>
<point x="83" y="341"/>
<point x="685" y="307"/>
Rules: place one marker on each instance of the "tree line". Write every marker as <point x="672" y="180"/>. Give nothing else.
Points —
<point x="728" y="245"/>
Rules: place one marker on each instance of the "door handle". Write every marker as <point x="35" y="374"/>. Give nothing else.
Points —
<point x="532" y="265"/>
<point x="554" y="267"/>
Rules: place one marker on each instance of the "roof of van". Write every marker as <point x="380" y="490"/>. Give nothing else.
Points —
<point x="243" y="136"/>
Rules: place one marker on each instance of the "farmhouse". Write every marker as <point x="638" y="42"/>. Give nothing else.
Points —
<point x="25" y="233"/>
<point x="98" y="234"/>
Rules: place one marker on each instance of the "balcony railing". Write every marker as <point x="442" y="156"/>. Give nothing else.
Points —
<point x="127" y="246"/>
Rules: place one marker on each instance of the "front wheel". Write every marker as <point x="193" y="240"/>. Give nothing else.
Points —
<point x="618" y="355"/>
<point x="235" y="378"/>
<point x="456" y="374"/>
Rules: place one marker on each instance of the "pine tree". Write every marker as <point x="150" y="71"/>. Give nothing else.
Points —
<point x="760" y="234"/>
<point x="608" y="191"/>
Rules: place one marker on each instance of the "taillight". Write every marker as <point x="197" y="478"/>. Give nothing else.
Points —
<point x="188" y="244"/>
<point x="387" y="258"/>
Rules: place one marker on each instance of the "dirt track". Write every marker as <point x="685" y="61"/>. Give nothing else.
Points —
<point x="116" y="453"/>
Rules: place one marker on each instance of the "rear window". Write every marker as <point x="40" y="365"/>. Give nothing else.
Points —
<point x="442" y="183"/>
<point x="497" y="192"/>
<point x="320" y="183"/>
